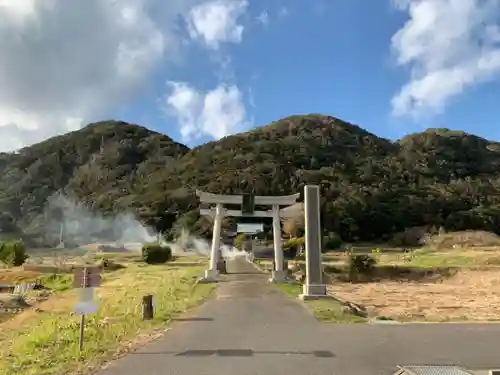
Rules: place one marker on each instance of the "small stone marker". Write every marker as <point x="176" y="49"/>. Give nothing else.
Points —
<point x="222" y="266"/>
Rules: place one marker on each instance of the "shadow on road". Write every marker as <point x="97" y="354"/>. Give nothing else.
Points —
<point x="242" y="353"/>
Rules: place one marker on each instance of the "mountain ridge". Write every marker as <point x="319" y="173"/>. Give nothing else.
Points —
<point x="372" y="188"/>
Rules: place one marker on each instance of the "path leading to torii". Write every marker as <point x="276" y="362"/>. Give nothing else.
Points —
<point x="252" y="328"/>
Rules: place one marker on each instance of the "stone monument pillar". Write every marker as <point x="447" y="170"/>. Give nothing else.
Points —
<point x="314" y="288"/>
<point x="279" y="273"/>
<point x="212" y="274"/>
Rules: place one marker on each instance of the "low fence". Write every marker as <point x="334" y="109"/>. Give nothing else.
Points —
<point x="19" y="289"/>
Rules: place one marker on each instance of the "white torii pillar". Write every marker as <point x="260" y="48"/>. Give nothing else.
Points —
<point x="212" y="274"/>
<point x="279" y="273"/>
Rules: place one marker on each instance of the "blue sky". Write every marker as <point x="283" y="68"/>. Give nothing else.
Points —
<point x="201" y="69"/>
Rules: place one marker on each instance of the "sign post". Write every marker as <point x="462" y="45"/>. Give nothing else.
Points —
<point x="86" y="279"/>
<point x="82" y="317"/>
<point x="250" y="228"/>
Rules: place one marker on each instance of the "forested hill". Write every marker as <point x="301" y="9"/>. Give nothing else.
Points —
<point x="372" y="188"/>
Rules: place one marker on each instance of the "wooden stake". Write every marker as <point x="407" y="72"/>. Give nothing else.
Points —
<point x="82" y="330"/>
<point x="82" y="318"/>
<point x="147" y="307"/>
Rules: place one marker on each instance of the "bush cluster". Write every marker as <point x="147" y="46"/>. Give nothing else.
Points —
<point x="360" y="265"/>
<point x="239" y="241"/>
<point x="332" y="241"/>
<point x="13" y="253"/>
<point x="293" y="246"/>
<point x="156" y="254"/>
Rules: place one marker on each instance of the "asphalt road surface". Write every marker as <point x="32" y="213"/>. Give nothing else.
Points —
<point x="253" y="329"/>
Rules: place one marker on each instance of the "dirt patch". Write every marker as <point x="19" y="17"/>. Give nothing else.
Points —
<point x="469" y="295"/>
<point x="4" y="316"/>
<point x="401" y="273"/>
<point x="45" y="268"/>
<point x="10" y="303"/>
<point x="339" y="273"/>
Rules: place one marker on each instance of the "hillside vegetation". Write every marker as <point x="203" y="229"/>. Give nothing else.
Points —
<point x="372" y="188"/>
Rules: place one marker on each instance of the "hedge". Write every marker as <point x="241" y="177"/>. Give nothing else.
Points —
<point x="13" y="253"/>
<point x="156" y="254"/>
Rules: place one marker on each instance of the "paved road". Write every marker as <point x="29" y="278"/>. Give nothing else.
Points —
<point x="253" y="329"/>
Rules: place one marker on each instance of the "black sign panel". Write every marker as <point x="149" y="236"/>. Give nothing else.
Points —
<point x="248" y="205"/>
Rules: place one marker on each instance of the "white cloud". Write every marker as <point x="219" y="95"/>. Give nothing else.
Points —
<point x="216" y="113"/>
<point x="216" y="22"/>
<point x="61" y="62"/>
<point x="263" y="18"/>
<point x="66" y="62"/>
<point x="450" y="45"/>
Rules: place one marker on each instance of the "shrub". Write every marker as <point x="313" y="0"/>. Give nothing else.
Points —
<point x="293" y="242"/>
<point x="332" y="241"/>
<point x="360" y="265"/>
<point x="13" y="253"/>
<point x="293" y="246"/>
<point x="239" y="241"/>
<point x="156" y="254"/>
<point x="109" y="265"/>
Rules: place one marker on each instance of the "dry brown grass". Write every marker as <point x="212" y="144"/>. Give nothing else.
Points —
<point x="463" y="239"/>
<point x="17" y="275"/>
<point x="467" y="294"/>
<point x="470" y="295"/>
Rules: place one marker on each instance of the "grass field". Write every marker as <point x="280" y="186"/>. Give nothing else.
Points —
<point x="329" y="311"/>
<point x="44" y="340"/>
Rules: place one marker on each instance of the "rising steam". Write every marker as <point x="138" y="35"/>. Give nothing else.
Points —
<point x="74" y="225"/>
<point x="80" y="226"/>
<point x="77" y="226"/>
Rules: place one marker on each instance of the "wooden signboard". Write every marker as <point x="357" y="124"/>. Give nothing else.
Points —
<point x="87" y="277"/>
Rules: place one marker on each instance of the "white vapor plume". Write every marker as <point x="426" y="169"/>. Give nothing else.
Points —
<point x="78" y="226"/>
<point x="82" y="227"/>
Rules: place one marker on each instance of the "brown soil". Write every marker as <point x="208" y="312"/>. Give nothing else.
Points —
<point x="469" y="295"/>
<point x="9" y="302"/>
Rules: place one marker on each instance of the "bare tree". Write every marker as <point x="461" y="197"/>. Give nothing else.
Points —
<point x="294" y="222"/>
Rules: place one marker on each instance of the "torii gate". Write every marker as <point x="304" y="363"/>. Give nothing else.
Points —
<point x="248" y="203"/>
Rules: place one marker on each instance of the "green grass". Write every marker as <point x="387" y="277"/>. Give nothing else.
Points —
<point x="57" y="282"/>
<point x="327" y="310"/>
<point x="46" y="342"/>
<point x="427" y="258"/>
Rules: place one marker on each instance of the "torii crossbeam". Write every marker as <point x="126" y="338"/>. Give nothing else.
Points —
<point x="248" y="202"/>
